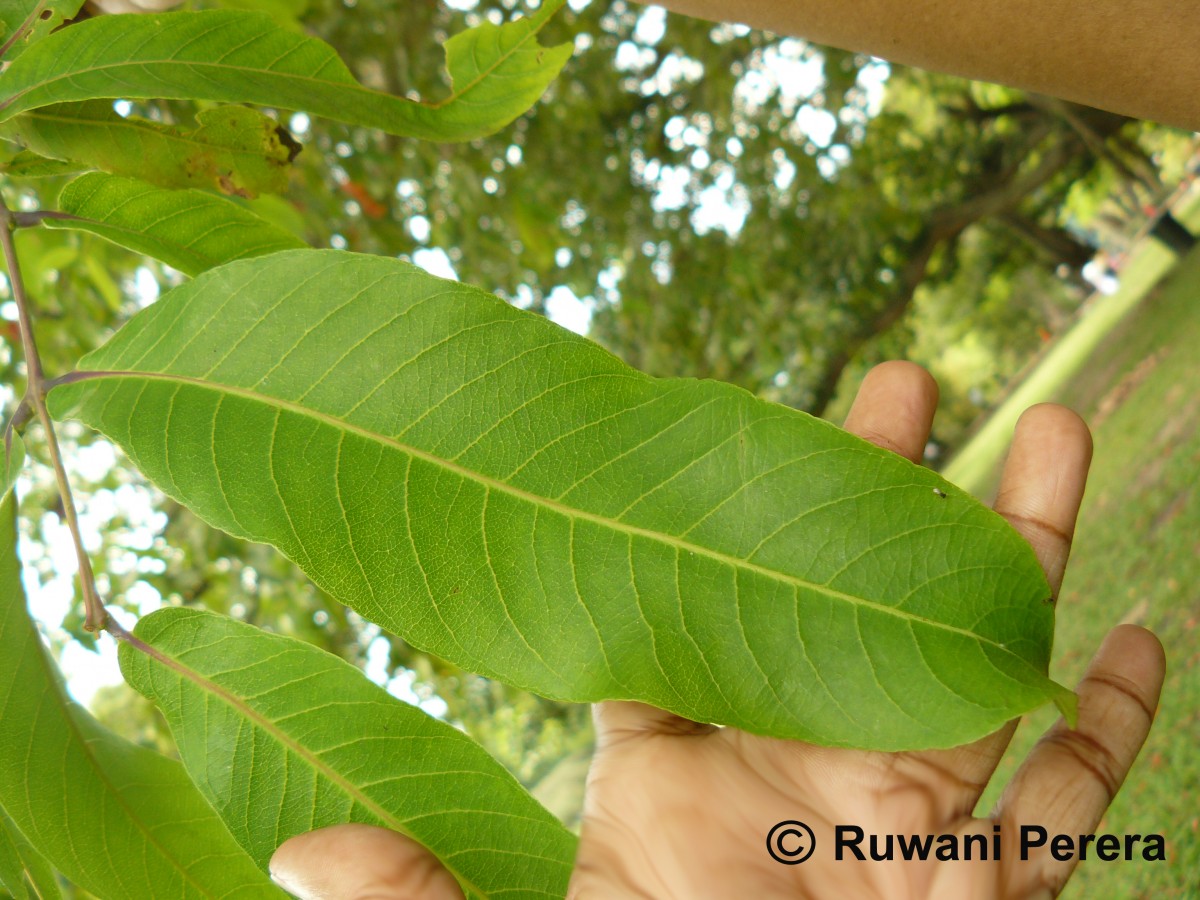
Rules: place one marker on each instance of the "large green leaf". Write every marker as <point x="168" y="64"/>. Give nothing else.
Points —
<point x="510" y="496"/>
<point x="23" y="22"/>
<point x="24" y="872"/>
<point x="234" y="149"/>
<point x="117" y="819"/>
<point x="497" y="72"/>
<point x="190" y="230"/>
<point x="283" y="737"/>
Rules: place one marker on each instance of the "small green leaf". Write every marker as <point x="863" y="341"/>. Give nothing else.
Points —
<point x="235" y="150"/>
<point x="497" y="72"/>
<point x="25" y="164"/>
<point x="283" y="737"/>
<point x="511" y="497"/>
<point x="23" y="871"/>
<point x="23" y="22"/>
<point x="14" y="461"/>
<point x="117" y="819"/>
<point x="190" y="230"/>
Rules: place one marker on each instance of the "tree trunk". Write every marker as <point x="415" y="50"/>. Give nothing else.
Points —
<point x="1000" y="193"/>
<point x="1173" y="234"/>
<point x="911" y="276"/>
<point x="1057" y="245"/>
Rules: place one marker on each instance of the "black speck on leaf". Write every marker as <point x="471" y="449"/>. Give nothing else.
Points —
<point x="940" y="493"/>
<point x="289" y="143"/>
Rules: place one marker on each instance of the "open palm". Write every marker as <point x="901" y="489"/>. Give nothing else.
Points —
<point x="680" y="809"/>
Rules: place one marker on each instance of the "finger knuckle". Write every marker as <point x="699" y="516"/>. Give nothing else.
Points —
<point x="1093" y="756"/>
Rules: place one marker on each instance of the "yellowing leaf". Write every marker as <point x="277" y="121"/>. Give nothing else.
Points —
<point x="497" y="72"/>
<point x="235" y="149"/>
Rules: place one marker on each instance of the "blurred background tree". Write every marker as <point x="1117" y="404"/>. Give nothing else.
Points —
<point x="705" y="200"/>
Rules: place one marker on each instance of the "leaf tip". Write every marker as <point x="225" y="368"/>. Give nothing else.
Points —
<point x="1067" y="703"/>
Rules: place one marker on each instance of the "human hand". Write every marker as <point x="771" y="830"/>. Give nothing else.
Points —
<point x="680" y="809"/>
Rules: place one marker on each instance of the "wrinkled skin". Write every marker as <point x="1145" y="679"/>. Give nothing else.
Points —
<point x="680" y="809"/>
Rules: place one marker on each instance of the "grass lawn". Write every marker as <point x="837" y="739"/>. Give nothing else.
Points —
<point x="1136" y="558"/>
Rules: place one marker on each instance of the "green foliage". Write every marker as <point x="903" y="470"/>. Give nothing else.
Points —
<point x="820" y="262"/>
<point x="233" y="56"/>
<point x="189" y="230"/>
<point x="613" y="535"/>
<point x="235" y="149"/>
<point x="69" y="779"/>
<point x="261" y="724"/>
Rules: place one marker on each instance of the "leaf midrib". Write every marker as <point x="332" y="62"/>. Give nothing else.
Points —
<point x="491" y="483"/>
<point x="348" y="85"/>
<point x="79" y="223"/>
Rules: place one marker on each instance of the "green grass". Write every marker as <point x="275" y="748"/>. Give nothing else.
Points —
<point x="1136" y="556"/>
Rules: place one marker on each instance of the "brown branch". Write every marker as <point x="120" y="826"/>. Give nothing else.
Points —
<point x="37" y="216"/>
<point x="35" y="395"/>
<point x="919" y="259"/>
